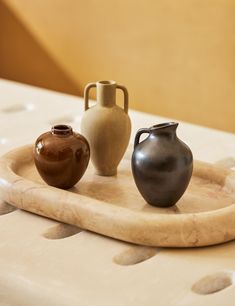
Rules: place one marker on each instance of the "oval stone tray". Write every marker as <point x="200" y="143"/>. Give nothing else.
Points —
<point x="112" y="206"/>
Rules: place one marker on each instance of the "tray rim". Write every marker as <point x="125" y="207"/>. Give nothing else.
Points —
<point x="20" y="192"/>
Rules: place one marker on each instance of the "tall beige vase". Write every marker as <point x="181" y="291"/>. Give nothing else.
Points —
<point x="106" y="126"/>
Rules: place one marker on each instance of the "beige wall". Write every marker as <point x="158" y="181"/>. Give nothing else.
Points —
<point x="177" y="58"/>
<point x="23" y="59"/>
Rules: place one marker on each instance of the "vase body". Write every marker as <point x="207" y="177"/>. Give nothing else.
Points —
<point x="161" y="165"/>
<point x="61" y="156"/>
<point x="106" y="126"/>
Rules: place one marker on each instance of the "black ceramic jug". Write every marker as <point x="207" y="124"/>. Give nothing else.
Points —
<point x="161" y="165"/>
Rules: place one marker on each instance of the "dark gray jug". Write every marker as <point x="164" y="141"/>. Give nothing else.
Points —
<point x="161" y="165"/>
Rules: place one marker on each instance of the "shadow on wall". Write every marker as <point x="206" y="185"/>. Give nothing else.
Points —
<point x="175" y="57"/>
<point x="23" y="59"/>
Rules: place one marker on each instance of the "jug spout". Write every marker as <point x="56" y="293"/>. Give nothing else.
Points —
<point x="106" y="93"/>
<point x="167" y="129"/>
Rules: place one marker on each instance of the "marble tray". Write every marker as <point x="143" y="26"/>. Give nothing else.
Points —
<point x="112" y="206"/>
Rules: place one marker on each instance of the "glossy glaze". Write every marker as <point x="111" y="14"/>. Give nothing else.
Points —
<point x="161" y="165"/>
<point x="61" y="156"/>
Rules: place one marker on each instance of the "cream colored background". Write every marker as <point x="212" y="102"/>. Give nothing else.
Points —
<point x="177" y="58"/>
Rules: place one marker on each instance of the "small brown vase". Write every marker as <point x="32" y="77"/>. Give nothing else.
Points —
<point x="61" y="156"/>
<point x="106" y="126"/>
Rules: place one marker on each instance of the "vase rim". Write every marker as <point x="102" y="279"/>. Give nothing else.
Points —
<point x="62" y="129"/>
<point x="106" y="82"/>
<point x="164" y="125"/>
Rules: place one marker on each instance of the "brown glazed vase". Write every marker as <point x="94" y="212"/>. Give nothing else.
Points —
<point x="106" y="126"/>
<point x="61" y="156"/>
<point x="161" y="165"/>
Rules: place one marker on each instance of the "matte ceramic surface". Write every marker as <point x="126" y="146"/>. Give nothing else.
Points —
<point x="162" y="165"/>
<point x="112" y="206"/>
<point x="61" y="156"/>
<point x="106" y="126"/>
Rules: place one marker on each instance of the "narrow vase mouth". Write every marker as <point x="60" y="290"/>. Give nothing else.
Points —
<point x="164" y="125"/>
<point x="62" y="129"/>
<point x="106" y="82"/>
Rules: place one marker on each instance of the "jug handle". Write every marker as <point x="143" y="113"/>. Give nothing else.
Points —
<point x="86" y="94"/>
<point x="138" y="134"/>
<point x="125" y="92"/>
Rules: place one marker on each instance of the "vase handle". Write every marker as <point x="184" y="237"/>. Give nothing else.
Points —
<point x="125" y="92"/>
<point x="86" y="94"/>
<point x="138" y="134"/>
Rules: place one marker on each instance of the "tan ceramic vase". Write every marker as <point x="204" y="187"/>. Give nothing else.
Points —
<point x="106" y="126"/>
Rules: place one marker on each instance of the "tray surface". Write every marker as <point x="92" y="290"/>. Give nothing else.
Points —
<point x="112" y="206"/>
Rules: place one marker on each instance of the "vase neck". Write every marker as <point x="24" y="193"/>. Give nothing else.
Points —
<point x="164" y="129"/>
<point x="106" y="93"/>
<point x="62" y="130"/>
